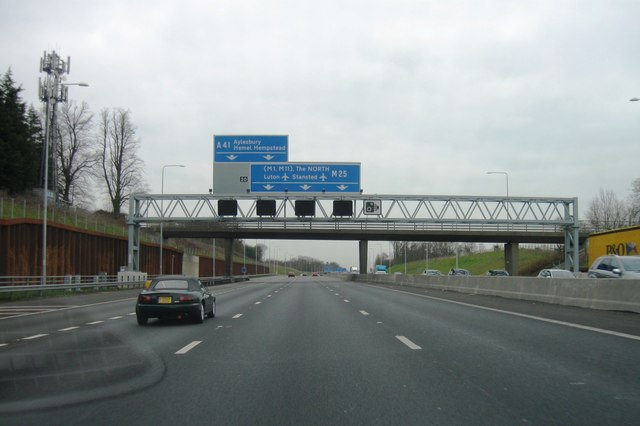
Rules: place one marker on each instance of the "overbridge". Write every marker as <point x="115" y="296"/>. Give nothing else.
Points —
<point x="360" y="217"/>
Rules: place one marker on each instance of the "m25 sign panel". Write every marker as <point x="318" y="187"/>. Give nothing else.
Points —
<point x="306" y="177"/>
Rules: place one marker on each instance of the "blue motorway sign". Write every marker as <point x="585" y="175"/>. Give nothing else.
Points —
<point x="250" y="149"/>
<point x="306" y="177"/>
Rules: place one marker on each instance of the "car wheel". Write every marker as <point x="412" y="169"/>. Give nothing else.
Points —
<point x="142" y="320"/>
<point x="200" y="314"/>
<point x="212" y="314"/>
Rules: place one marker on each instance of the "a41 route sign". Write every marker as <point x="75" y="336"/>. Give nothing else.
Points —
<point x="306" y="177"/>
<point x="250" y="149"/>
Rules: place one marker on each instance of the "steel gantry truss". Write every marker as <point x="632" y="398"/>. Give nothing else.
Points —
<point x="373" y="217"/>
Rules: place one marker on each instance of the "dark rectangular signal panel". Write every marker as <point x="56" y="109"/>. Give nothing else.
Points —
<point x="305" y="208"/>
<point x="228" y="207"/>
<point x="343" y="208"/>
<point x="266" y="207"/>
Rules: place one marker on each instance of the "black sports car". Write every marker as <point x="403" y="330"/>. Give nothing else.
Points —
<point x="175" y="297"/>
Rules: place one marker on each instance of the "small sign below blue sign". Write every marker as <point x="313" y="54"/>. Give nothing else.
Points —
<point x="250" y="149"/>
<point x="306" y="177"/>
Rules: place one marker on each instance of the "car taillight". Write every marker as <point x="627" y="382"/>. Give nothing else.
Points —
<point x="186" y="299"/>
<point x="144" y="298"/>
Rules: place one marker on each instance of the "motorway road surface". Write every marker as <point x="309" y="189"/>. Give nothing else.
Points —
<point x="317" y="350"/>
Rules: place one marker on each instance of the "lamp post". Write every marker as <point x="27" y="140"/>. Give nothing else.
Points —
<point x="51" y="91"/>
<point x="162" y="208"/>
<point x="506" y="175"/>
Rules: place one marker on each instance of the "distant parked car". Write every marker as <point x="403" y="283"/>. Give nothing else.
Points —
<point x="432" y="272"/>
<point x="459" y="272"/>
<point x="555" y="273"/>
<point x="497" y="273"/>
<point x="615" y="267"/>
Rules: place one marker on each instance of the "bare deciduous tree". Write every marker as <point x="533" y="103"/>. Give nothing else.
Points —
<point x="606" y="211"/>
<point x="634" y="203"/>
<point x="121" y="167"/>
<point x="75" y="152"/>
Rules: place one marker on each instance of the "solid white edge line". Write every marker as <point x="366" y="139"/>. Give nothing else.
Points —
<point x="188" y="347"/>
<point x="35" y="336"/>
<point x="28" y="308"/>
<point x="69" y="328"/>
<point x="409" y="343"/>
<point x="517" y="314"/>
<point x="72" y="307"/>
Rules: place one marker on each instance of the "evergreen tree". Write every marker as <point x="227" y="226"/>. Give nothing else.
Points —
<point x="20" y="139"/>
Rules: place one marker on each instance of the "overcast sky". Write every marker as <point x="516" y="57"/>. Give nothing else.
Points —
<point x="427" y="95"/>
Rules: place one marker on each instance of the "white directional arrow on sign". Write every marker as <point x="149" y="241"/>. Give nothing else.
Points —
<point x="268" y="157"/>
<point x="232" y="157"/>
<point x="268" y="187"/>
<point x="285" y="177"/>
<point x="305" y="187"/>
<point x="342" y="187"/>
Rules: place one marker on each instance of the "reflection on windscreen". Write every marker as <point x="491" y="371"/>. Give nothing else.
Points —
<point x="171" y="285"/>
<point x="631" y="264"/>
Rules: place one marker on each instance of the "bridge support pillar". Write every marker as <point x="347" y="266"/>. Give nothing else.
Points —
<point x="511" y="255"/>
<point x="363" y="250"/>
<point x="228" y="257"/>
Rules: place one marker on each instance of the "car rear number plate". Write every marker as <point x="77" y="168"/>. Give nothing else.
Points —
<point x="164" y="299"/>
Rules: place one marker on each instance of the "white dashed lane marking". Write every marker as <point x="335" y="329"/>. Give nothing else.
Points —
<point x="35" y="336"/>
<point x="188" y="347"/>
<point x="236" y="316"/>
<point x="408" y="342"/>
<point x="69" y="328"/>
<point x="94" y="322"/>
<point x="364" y="312"/>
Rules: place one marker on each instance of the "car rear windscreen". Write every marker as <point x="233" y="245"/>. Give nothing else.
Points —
<point x="171" y="285"/>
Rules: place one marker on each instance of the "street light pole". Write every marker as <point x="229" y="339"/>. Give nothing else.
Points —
<point x="51" y="91"/>
<point x="507" y="177"/>
<point x="162" y="208"/>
